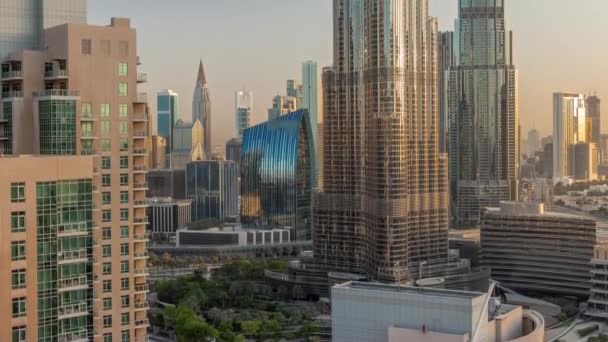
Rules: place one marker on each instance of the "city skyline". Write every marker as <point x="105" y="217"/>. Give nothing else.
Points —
<point x="268" y="65"/>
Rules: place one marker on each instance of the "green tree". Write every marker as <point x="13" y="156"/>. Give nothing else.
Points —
<point x="250" y="328"/>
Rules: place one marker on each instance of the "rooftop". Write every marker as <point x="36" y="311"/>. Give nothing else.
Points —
<point x="530" y="209"/>
<point x="410" y="290"/>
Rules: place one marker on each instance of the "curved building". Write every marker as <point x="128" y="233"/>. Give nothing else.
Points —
<point x="201" y="108"/>
<point x="532" y="250"/>
<point x="277" y="175"/>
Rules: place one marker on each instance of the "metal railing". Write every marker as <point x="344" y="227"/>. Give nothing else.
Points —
<point x="57" y="92"/>
<point x="141" y="98"/>
<point x="72" y="282"/>
<point x="142" y="288"/>
<point x="72" y="255"/>
<point x="72" y="309"/>
<point x="12" y="94"/>
<point x="55" y="73"/>
<point x="12" y="74"/>
<point x="142" y="77"/>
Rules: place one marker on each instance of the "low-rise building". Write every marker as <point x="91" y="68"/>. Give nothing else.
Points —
<point x="532" y="250"/>
<point x="167" y="215"/>
<point x="372" y="312"/>
<point x="167" y="183"/>
<point x="598" y="299"/>
<point x="231" y="236"/>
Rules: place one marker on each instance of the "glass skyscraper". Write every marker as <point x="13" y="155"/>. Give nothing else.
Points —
<point x="310" y="89"/>
<point x="277" y="175"/>
<point x="484" y="117"/>
<point x="243" y="108"/>
<point x="167" y="103"/>
<point x="212" y="187"/>
<point x="201" y="107"/>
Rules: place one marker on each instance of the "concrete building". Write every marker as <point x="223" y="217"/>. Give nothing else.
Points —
<point x="54" y="107"/>
<point x="597" y="307"/>
<point x="158" y="154"/>
<point x="24" y="21"/>
<point x="585" y="161"/>
<point x="282" y="105"/>
<point x="382" y="211"/>
<point x="569" y="128"/>
<point x="167" y="183"/>
<point x="167" y="215"/>
<point x="593" y="104"/>
<point x="232" y="236"/>
<point x="212" y="187"/>
<point x="243" y="103"/>
<point x="538" y="190"/>
<point x="548" y="160"/>
<point x="234" y="148"/>
<point x="201" y="108"/>
<point x="532" y="250"/>
<point x="484" y="114"/>
<point x="427" y="315"/>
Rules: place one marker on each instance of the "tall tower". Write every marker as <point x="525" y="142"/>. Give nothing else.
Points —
<point x="384" y="207"/>
<point x="483" y="109"/>
<point x="569" y="128"/>
<point x="201" y="107"/>
<point x="593" y="115"/>
<point x="167" y="104"/>
<point x="447" y="59"/>
<point x="310" y="91"/>
<point x="243" y="107"/>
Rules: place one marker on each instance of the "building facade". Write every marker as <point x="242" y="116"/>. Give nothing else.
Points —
<point x="447" y="59"/>
<point x="234" y="149"/>
<point x="60" y="111"/>
<point x="295" y="89"/>
<point x="569" y="128"/>
<point x="167" y="183"/>
<point x="310" y="97"/>
<point x="167" y="106"/>
<point x="201" y="108"/>
<point x="277" y="175"/>
<point x="593" y="112"/>
<point x="282" y="105"/>
<point x="585" y="162"/>
<point x="484" y="113"/>
<point x="212" y="187"/>
<point x="597" y="305"/>
<point x="167" y="215"/>
<point x="24" y="21"/>
<point x="533" y="143"/>
<point x="384" y="205"/>
<point x="158" y="154"/>
<point x="243" y="107"/>
<point x="532" y="250"/>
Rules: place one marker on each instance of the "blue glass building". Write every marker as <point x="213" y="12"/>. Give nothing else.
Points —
<point x="212" y="187"/>
<point x="277" y="175"/>
<point x="167" y="115"/>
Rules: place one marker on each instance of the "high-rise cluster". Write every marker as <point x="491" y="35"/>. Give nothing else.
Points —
<point x="384" y="207"/>
<point x="76" y="269"/>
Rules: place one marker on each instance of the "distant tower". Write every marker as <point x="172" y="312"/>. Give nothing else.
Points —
<point x="244" y="106"/>
<point x="201" y="107"/>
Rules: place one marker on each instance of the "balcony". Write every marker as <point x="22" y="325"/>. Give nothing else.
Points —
<point x="4" y="118"/>
<point x="143" y="305"/>
<point x="140" y="203"/>
<point x="12" y="75"/>
<point x="69" y="284"/>
<point x="142" y="77"/>
<point x="87" y="117"/>
<point x="74" y="256"/>
<point x="140" y="118"/>
<point x="140" y="151"/>
<point x="143" y="288"/>
<point x="141" y="323"/>
<point x="88" y="152"/>
<point x="77" y="336"/>
<point x="141" y="220"/>
<point x="12" y="94"/>
<point x="140" y="135"/>
<point x="141" y="271"/>
<point x="73" y="310"/>
<point x="141" y="255"/>
<point x="56" y="74"/>
<point x="57" y="93"/>
<point x="72" y="230"/>
<point x="140" y="186"/>
<point x="87" y="136"/>
<point x="140" y="169"/>
<point x="142" y="237"/>
<point x="141" y="98"/>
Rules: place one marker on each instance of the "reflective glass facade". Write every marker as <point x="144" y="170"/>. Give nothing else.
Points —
<point x="167" y="116"/>
<point x="201" y="107"/>
<point x="57" y="127"/>
<point x="212" y="187"/>
<point x="277" y="175"/>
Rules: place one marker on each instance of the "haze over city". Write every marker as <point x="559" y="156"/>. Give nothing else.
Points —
<point x="260" y="44"/>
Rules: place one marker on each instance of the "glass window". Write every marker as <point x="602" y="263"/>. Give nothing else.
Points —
<point x="19" y="334"/>
<point x="124" y="179"/>
<point x="86" y="129"/>
<point x="18" y="307"/>
<point x="124" y="110"/>
<point x="107" y="337"/>
<point x="124" y="197"/>
<point x="125" y="318"/>
<point x="87" y="109"/>
<point x="105" y="145"/>
<point x="86" y="47"/>
<point x="18" y="221"/>
<point x="106" y="197"/>
<point x="124" y="128"/>
<point x="124" y="301"/>
<point x="124" y="267"/>
<point x="18" y="278"/>
<point x="123" y="48"/>
<point x="124" y="283"/>
<point x="105" y="110"/>
<point x="125" y="336"/>
<point x="106" y="268"/>
<point x="107" y="303"/>
<point x="107" y="251"/>
<point x="105" y="128"/>
<point x="18" y="250"/>
<point x="106" y="233"/>
<point x="123" y="69"/>
<point x="106" y="215"/>
<point x="124" y="249"/>
<point x="107" y="286"/>
<point x="123" y="89"/>
<point x="124" y="162"/>
<point x="124" y="144"/>
<point x="17" y="192"/>
<point x="124" y="232"/>
<point x="124" y="214"/>
<point x="107" y="321"/>
<point x="106" y="180"/>
<point x="106" y="163"/>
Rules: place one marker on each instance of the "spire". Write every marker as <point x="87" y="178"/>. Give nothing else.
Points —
<point x="201" y="74"/>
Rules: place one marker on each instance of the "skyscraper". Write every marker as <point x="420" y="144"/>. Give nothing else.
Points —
<point x="447" y="59"/>
<point x="483" y="109"/>
<point x="569" y="128"/>
<point x="167" y="104"/>
<point x="533" y="142"/>
<point x="594" y="133"/>
<point x="243" y="107"/>
<point x="310" y="91"/>
<point x="86" y="233"/>
<point x="201" y="108"/>
<point x="24" y="21"/>
<point x="282" y="105"/>
<point x="295" y="90"/>
<point x="384" y="207"/>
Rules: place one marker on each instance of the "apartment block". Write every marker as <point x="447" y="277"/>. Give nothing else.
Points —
<point x="79" y="97"/>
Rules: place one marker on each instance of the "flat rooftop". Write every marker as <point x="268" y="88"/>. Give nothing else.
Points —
<point x="410" y="290"/>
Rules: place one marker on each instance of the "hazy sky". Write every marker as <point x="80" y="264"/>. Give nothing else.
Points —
<point x="260" y="44"/>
